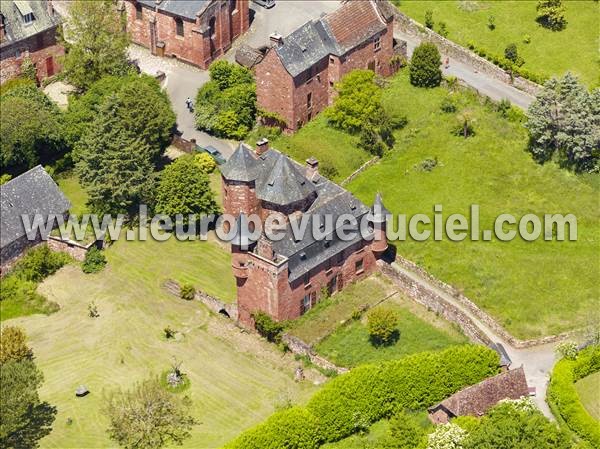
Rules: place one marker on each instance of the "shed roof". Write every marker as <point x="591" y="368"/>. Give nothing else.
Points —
<point x="188" y="9"/>
<point x="15" y="27"/>
<point x="33" y="192"/>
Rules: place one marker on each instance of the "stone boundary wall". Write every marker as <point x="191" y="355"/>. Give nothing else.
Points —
<point x="434" y="302"/>
<point x="299" y="347"/>
<point x="359" y="170"/>
<point x="188" y="146"/>
<point x="214" y="304"/>
<point x="74" y="249"/>
<point x="459" y="53"/>
<point x="474" y="309"/>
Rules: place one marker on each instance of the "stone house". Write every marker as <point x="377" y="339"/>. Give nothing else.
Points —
<point x="297" y="74"/>
<point x="285" y="278"/>
<point x="28" y="29"/>
<point x="33" y="192"/>
<point x="477" y="399"/>
<point x="194" y="31"/>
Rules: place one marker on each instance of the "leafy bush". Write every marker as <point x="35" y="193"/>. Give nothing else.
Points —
<point x="567" y="350"/>
<point x="464" y="126"/>
<point x="328" y="170"/>
<point x="526" y="39"/>
<point x="448" y="105"/>
<point x="511" y="53"/>
<point x="293" y="428"/>
<point x="94" y="261"/>
<point x="491" y="23"/>
<point x="187" y="292"/>
<point x="4" y="178"/>
<point x="503" y="107"/>
<point x="205" y="162"/>
<point x="425" y="65"/>
<point x="39" y="263"/>
<point x="564" y="399"/>
<point x="13" y="345"/>
<point x="446" y="436"/>
<point x="28" y="69"/>
<point x="429" y="19"/>
<point x="267" y="326"/>
<point x="443" y="30"/>
<point x="169" y="332"/>
<point x="382" y="325"/>
<point x="405" y="431"/>
<point x="551" y="14"/>
<point x="226" y="105"/>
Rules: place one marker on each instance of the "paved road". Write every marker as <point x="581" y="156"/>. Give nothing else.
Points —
<point x="486" y="85"/>
<point x="537" y="362"/>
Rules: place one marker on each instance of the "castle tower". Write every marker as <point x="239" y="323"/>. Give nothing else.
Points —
<point x="239" y="175"/>
<point x="378" y="217"/>
<point x="240" y="246"/>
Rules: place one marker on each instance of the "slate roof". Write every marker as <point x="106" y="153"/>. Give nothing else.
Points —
<point x="33" y="192"/>
<point x="336" y="33"/>
<point x="14" y="25"/>
<point x="182" y="8"/>
<point x="478" y="399"/>
<point x="281" y="180"/>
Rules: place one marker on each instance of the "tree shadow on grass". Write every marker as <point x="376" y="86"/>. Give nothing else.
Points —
<point x="378" y="343"/>
<point x="39" y="425"/>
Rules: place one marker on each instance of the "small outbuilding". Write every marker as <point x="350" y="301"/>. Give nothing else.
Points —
<point x="477" y="399"/>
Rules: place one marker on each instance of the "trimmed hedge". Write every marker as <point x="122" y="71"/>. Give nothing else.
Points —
<point x="563" y="398"/>
<point x="368" y="393"/>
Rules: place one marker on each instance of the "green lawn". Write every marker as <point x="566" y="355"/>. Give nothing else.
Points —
<point x="345" y="342"/>
<point x="349" y="345"/>
<point x="69" y="184"/>
<point x="573" y="49"/>
<point x="588" y="389"/>
<point x="236" y="379"/>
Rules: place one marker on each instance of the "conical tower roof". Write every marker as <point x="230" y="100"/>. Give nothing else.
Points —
<point x="241" y="166"/>
<point x="284" y="184"/>
<point x="378" y="212"/>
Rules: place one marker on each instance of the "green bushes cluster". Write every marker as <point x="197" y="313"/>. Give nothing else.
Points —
<point x="507" y="65"/>
<point x="267" y="326"/>
<point x="424" y="69"/>
<point x="368" y="393"/>
<point x="563" y="398"/>
<point x="94" y="261"/>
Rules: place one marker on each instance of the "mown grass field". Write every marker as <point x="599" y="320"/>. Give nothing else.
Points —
<point x="236" y="379"/>
<point x="549" y="52"/>
<point x="330" y="328"/>
<point x="588" y="389"/>
<point x="532" y="288"/>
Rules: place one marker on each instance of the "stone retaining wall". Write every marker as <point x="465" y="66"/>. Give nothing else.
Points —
<point x="299" y="347"/>
<point x="434" y="302"/>
<point x="74" y="249"/>
<point x="470" y="306"/>
<point x="359" y="170"/>
<point x="214" y="304"/>
<point x="459" y="53"/>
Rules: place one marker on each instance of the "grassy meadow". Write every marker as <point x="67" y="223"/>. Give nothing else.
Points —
<point x="588" y="389"/>
<point x="549" y="52"/>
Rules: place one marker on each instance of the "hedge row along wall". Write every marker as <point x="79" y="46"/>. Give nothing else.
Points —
<point x="368" y="393"/>
<point x="564" y="400"/>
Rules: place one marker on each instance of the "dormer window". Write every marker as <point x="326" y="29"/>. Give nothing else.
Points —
<point x="25" y="10"/>
<point x="28" y="18"/>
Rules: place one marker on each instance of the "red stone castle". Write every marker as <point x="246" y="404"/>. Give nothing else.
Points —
<point x="195" y="31"/>
<point x="285" y="278"/>
<point x="297" y="74"/>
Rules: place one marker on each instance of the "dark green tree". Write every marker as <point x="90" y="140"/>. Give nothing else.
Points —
<point x="31" y="129"/>
<point x="424" y="69"/>
<point x="148" y="417"/>
<point x="382" y="323"/>
<point x="551" y="14"/>
<point x="511" y="53"/>
<point x="564" y="125"/>
<point x="115" y="167"/>
<point x="13" y="345"/>
<point x="96" y="42"/>
<point x="429" y="19"/>
<point x="184" y="189"/>
<point x="94" y="261"/>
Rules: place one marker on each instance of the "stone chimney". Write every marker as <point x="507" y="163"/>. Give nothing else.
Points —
<point x="276" y="39"/>
<point x="264" y="248"/>
<point x="262" y="146"/>
<point x="312" y="168"/>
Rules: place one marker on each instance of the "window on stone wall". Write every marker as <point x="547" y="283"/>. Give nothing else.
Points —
<point x="212" y="26"/>
<point x="359" y="266"/>
<point x="179" y="26"/>
<point x="306" y="303"/>
<point x="307" y="279"/>
<point x="138" y="12"/>
<point x="28" y="18"/>
<point x="377" y="43"/>
<point x="309" y="101"/>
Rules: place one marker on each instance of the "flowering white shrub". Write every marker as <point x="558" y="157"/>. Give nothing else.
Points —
<point x="524" y="404"/>
<point x="447" y="436"/>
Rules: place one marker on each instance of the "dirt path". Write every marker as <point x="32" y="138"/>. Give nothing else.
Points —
<point x="536" y="361"/>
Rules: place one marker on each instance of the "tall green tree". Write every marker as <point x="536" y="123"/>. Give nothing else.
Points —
<point x="424" y="69"/>
<point x="96" y="42"/>
<point x="184" y="189"/>
<point x="564" y="125"/>
<point x="31" y="129"/>
<point x="551" y="14"/>
<point x="148" y="417"/>
<point x="116" y="168"/>
<point x="13" y="345"/>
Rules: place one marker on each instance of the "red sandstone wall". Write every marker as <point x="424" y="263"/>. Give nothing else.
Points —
<point x="360" y="57"/>
<point x="239" y="197"/>
<point x="41" y="49"/>
<point x="274" y="87"/>
<point x="318" y="86"/>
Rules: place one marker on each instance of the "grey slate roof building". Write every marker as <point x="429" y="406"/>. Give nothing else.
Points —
<point x="23" y="19"/>
<point x="280" y="180"/>
<point x="188" y="9"/>
<point x="33" y="192"/>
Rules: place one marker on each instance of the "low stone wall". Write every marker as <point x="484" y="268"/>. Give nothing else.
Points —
<point x="214" y="304"/>
<point x="359" y="170"/>
<point x="459" y="53"/>
<point x="435" y="302"/>
<point x="76" y="250"/>
<point x="470" y="306"/>
<point x="297" y="346"/>
<point x="189" y="146"/>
